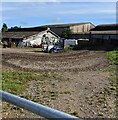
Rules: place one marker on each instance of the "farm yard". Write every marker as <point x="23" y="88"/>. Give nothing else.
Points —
<point x="81" y="83"/>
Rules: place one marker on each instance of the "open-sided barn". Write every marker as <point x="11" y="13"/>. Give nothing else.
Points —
<point x="104" y="34"/>
<point x="28" y="37"/>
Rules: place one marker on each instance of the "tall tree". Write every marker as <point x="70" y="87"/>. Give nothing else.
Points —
<point x="66" y="33"/>
<point x="4" y="27"/>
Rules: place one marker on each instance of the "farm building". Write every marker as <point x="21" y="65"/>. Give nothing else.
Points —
<point x="85" y="33"/>
<point x="105" y="34"/>
<point x="35" y="35"/>
<point x="75" y="28"/>
<point x="29" y="36"/>
<point x="58" y="28"/>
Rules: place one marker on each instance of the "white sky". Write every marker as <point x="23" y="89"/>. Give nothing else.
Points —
<point x="59" y="0"/>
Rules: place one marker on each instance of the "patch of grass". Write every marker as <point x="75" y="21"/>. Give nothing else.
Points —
<point x="1" y="46"/>
<point x="113" y="56"/>
<point x="16" y="82"/>
<point x="110" y="68"/>
<point x="52" y="76"/>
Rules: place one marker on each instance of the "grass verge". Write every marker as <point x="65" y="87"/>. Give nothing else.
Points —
<point x="16" y="82"/>
<point x="113" y="56"/>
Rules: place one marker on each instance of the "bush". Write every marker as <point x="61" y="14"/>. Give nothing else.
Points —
<point x="113" y="56"/>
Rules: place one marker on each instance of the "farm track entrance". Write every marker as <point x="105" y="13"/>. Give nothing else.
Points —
<point x="70" y="61"/>
<point x="76" y="84"/>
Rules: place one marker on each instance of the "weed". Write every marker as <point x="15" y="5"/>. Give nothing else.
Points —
<point x="113" y="56"/>
<point x="17" y="81"/>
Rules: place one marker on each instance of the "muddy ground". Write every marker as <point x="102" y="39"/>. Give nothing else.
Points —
<point x="79" y="88"/>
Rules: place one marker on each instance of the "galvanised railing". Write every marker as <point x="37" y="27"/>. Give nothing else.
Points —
<point x="36" y="108"/>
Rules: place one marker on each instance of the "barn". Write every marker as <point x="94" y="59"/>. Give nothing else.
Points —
<point x="28" y="36"/>
<point x="104" y="34"/>
<point x="33" y="36"/>
<point x="76" y="28"/>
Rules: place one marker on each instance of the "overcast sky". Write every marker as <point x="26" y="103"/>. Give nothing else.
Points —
<point x="27" y="14"/>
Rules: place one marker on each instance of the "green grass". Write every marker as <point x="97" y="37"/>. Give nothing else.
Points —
<point x="1" y="46"/>
<point x="16" y="82"/>
<point x="113" y="56"/>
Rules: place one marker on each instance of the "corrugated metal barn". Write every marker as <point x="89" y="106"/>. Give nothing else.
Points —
<point x="76" y="28"/>
<point x="27" y="36"/>
<point x="104" y="34"/>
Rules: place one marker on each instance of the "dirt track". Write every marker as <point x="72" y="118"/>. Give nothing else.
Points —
<point x="71" y="61"/>
<point x="80" y="91"/>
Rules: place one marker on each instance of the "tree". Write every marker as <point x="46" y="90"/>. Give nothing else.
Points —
<point x="15" y="27"/>
<point x="66" y="33"/>
<point x="4" y="27"/>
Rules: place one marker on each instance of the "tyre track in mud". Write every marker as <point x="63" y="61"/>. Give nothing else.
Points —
<point x="68" y="62"/>
<point x="77" y="92"/>
<point x="42" y="57"/>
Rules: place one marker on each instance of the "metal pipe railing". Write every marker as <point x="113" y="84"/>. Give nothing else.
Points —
<point x="33" y="107"/>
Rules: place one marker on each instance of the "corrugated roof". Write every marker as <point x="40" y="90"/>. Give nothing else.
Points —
<point x="105" y="27"/>
<point x="18" y="35"/>
<point x="23" y="34"/>
<point x="39" y="29"/>
<point x="44" y="27"/>
<point x="65" y="25"/>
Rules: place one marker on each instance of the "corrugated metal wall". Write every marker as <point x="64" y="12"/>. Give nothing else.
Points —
<point x="81" y="28"/>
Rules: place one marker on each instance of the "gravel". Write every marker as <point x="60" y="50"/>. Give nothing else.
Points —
<point x="81" y="92"/>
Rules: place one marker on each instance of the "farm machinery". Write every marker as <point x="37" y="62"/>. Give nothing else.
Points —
<point x="50" y="46"/>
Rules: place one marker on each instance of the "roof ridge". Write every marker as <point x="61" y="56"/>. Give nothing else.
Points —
<point x="107" y="24"/>
<point x="64" y="24"/>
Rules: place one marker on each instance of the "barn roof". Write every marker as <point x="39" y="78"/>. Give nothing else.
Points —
<point x="18" y="35"/>
<point x="23" y="34"/>
<point x="66" y="25"/>
<point x="44" y="27"/>
<point x="105" y="27"/>
<point x="39" y="29"/>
